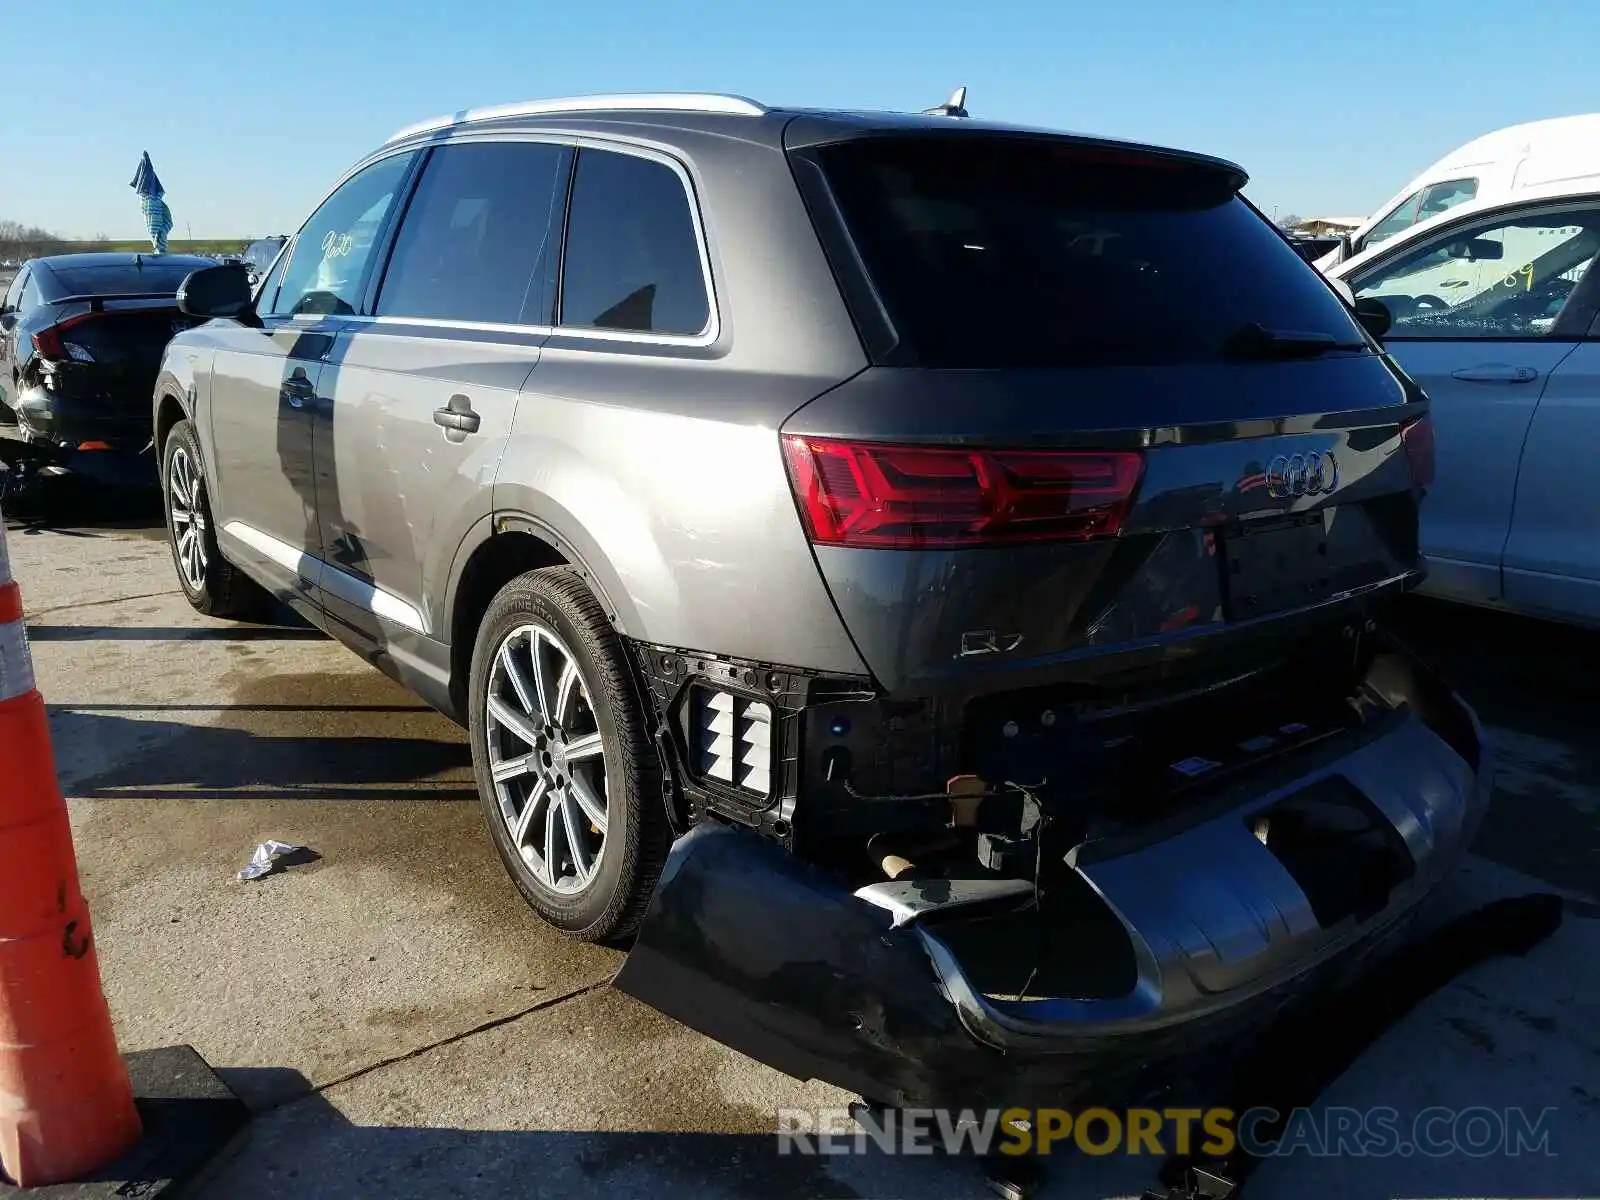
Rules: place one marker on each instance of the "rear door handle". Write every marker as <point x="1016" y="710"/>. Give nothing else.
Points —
<point x="457" y="418"/>
<point x="1495" y="373"/>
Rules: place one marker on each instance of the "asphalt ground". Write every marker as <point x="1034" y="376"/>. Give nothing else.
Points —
<point x="402" y="1025"/>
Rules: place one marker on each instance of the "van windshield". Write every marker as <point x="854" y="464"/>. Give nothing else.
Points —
<point x="1001" y="251"/>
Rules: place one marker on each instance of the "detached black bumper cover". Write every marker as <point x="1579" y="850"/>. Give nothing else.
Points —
<point x="773" y="957"/>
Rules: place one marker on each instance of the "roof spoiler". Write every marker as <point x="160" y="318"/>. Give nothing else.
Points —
<point x="97" y="303"/>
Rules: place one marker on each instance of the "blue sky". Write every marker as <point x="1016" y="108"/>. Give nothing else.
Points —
<point x="250" y="110"/>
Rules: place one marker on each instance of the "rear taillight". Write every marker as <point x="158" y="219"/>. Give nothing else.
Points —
<point x="50" y="343"/>
<point x="1417" y="438"/>
<point x="932" y="497"/>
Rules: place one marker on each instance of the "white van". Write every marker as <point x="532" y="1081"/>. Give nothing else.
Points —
<point x="1563" y="149"/>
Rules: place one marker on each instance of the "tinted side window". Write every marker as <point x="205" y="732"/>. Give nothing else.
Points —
<point x="332" y="252"/>
<point x="14" y="292"/>
<point x="632" y="257"/>
<point x="475" y="242"/>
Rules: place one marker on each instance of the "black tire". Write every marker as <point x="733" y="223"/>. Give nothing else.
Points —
<point x="637" y="833"/>
<point x="219" y="589"/>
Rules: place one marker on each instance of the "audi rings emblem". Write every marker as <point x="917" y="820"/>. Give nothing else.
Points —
<point x="1290" y="476"/>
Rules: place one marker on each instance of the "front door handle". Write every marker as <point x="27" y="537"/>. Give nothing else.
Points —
<point x="457" y="418"/>
<point x="1495" y="373"/>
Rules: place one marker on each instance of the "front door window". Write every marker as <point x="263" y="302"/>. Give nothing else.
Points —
<point x="328" y="266"/>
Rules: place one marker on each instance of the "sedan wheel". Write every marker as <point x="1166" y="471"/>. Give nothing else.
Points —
<point x="547" y="759"/>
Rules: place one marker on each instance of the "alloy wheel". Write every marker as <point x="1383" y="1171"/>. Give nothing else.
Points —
<point x="547" y="759"/>
<point x="185" y="503"/>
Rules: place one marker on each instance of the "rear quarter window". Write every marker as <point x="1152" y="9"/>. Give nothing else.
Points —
<point x="1031" y="252"/>
<point x="151" y="278"/>
<point x="632" y="260"/>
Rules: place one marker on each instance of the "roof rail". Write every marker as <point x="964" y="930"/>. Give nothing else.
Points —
<point x="703" y="102"/>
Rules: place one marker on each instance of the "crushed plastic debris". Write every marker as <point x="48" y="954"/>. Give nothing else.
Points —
<point x="272" y="856"/>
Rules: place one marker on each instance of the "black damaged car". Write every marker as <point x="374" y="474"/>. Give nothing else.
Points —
<point x="81" y="339"/>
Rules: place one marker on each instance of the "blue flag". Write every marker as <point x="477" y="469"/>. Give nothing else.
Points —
<point x="157" y="216"/>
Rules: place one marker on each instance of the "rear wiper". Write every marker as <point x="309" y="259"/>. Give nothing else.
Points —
<point x="1256" y="341"/>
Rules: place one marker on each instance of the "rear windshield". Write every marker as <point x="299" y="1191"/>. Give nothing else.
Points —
<point x="999" y="252"/>
<point x="153" y="278"/>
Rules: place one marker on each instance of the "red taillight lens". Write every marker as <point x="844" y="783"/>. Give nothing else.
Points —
<point x="1417" y="438"/>
<point x="49" y="343"/>
<point x="933" y="497"/>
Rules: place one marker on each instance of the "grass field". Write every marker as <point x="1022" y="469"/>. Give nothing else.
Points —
<point x="174" y="245"/>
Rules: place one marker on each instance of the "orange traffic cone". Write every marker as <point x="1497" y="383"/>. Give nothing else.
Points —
<point x="66" y="1104"/>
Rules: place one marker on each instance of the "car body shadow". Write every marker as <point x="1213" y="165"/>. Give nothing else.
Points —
<point x="161" y="633"/>
<point x="1534" y="687"/>
<point x="300" y="1143"/>
<point x="131" y="757"/>
<point x="74" y="506"/>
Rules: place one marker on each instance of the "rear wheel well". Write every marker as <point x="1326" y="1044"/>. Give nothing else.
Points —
<point x="168" y="414"/>
<point x="492" y="565"/>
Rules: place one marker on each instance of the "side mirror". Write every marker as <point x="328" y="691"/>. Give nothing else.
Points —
<point x="1374" y="316"/>
<point x="1343" y="288"/>
<point x="1476" y="250"/>
<point x="221" y="291"/>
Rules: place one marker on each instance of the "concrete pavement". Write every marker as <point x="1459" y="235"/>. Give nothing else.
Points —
<point x="404" y="1026"/>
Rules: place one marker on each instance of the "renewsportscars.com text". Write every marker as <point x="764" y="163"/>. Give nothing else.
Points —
<point x="1218" y="1132"/>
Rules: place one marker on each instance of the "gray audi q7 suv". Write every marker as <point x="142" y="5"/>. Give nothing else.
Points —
<point x="923" y="575"/>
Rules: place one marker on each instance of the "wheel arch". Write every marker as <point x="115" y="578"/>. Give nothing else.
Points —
<point x="495" y="551"/>
<point x="173" y="397"/>
<point x="169" y="411"/>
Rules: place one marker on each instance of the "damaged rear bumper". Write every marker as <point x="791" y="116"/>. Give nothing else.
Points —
<point x="1226" y="924"/>
<point x="58" y="434"/>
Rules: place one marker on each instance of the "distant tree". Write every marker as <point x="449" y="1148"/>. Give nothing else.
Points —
<point x="1290" y="221"/>
<point x="19" y="241"/>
